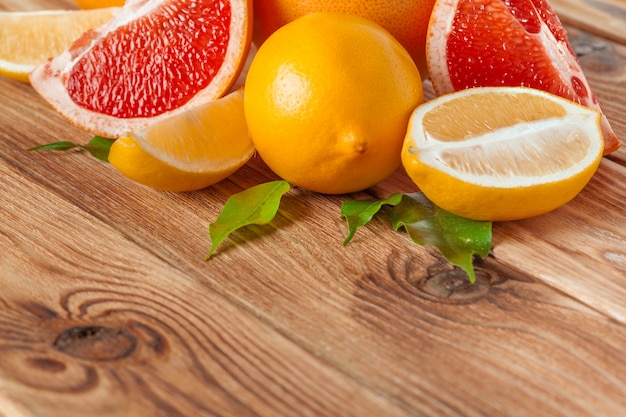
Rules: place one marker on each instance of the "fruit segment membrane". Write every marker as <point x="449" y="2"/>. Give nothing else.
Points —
<point x="487" y="26"/>
<point x="496" y="43"/>
<point x="171" y="57"/>
<point x="525" y="137"/>
<point x="472" y="120"/>
<point x="542" y="149"/>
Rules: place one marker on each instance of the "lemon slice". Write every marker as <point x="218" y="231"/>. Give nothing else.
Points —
<point x="28" y="39"/>
<point x="502" y="153"/>
<point x="188" y="151"/>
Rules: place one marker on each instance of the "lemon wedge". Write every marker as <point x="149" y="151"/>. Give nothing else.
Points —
<point x="188" y="151"/>
<point x="28" y="39"/>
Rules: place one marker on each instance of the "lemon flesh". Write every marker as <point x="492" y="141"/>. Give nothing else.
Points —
<point x="502" y="153"/>
<point x="28" y="39"/>
<point x="189" y="151"/>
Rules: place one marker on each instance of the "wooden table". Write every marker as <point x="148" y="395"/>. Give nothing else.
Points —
<point x="108" y="308"/>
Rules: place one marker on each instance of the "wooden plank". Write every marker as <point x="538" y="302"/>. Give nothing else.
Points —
<point x="277" y="303"/>
<point x="586" y="238"/>
<point x="285" y="320"/>
<point x="20" y="5"/>
<point x="606" y="18"/>
<point x="93" y="324"/>
<point x="604" y="65"/>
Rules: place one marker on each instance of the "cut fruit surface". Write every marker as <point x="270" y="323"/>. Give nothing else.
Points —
<point x="154" y="59"/>
<point x="188" y="151"/>
<point x="28" y="39"/>
<point x="480" y="43"/>
<point x="502" y="153"/>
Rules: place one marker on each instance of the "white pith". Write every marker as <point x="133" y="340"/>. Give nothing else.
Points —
<point x="436" y="46"/>
<point x="512" y="142"/>
<point x="53" y="89"/>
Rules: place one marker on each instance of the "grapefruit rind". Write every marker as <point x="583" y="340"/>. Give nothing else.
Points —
<point x="559" y="57"/>
<point x="186" y="152"/>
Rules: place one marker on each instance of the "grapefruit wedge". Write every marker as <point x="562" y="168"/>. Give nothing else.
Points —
<point x="154" y="59"/>
<point x="489" y="43"/>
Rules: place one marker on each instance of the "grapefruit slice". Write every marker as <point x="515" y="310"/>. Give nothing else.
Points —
<point x="154" y="59"/>
<point x="483" y="43"/>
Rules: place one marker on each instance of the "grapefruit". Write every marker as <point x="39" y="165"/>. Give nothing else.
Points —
<point x="481" y="43"/>
<point x="406" y="20"/>
<point x="97" y="4"/>
<point x="154" y="59"/>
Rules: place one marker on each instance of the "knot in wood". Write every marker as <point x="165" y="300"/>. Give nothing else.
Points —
<point x="453" y="286"/>
<point x="96" y="343"/>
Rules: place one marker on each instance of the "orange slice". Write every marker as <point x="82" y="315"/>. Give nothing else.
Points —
<point x="502" y="153"/>
<point x="153" y="60"/>
<point x="188" y="151"/>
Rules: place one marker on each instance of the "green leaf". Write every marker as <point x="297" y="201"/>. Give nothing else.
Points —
<point x="458" y="239"/>
<point x="98" y="147"/>
<point x="256" y="205"/>
<point x="360" y="212"/>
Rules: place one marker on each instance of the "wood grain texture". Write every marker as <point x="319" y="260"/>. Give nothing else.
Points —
<point x="108" y="308"/>
<point x="19" y="5"/>
<point x="605" y="18"/>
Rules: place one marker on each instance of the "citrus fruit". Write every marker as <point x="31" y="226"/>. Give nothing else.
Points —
<point x="406" y="20"/>
<point x="187" y="151"/>
<point x="480" y="43"/>
<point x="28" y="39"/>
<point x="152" y="60"/>
<point x="96" y="4"/>
<point x="502" y="153"/>
<point x="327" y="101"/>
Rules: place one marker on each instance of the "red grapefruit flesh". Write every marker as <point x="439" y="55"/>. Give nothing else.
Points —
<point x="488" y="43"/>
<point x="154" y="59"/>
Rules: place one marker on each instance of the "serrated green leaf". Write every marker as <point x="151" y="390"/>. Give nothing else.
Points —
<point x="457" y="238"/>
<point x="360" y="212"/>
<point x="256" y="205"/>
<point x="98" y="147"/>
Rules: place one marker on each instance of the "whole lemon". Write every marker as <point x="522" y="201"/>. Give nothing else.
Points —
<point x="327" y="101"/>
<point x="406" y="20"/>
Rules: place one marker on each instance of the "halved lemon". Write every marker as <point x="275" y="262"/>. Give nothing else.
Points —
<point x="188" y="151"/>
<point x="28" y="39"/>
<point x="502" y="153"/>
